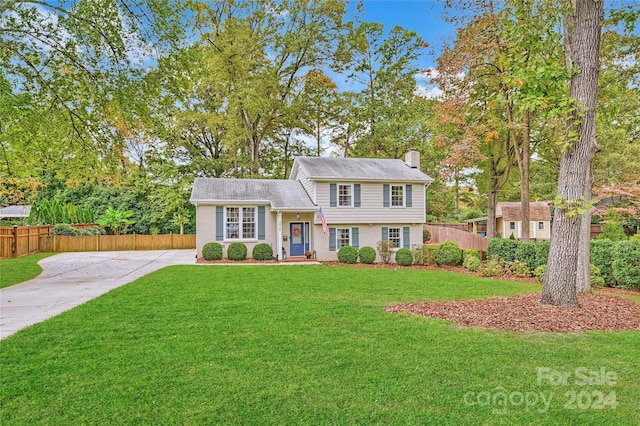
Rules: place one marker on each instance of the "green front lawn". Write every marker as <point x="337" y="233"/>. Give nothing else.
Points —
<point x="13" y="271"/>
<point x="305" y="345"/>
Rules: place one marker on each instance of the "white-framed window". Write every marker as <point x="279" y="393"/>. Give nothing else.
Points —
<point x="240" y="223"/>
<point x="343" y="237"/>
<point x="397" y="196"/>
<point x="512" y="225"/>
<point x="540" y="225"/>
<point x="345" y="195"/>
<point x="395" y="237"/>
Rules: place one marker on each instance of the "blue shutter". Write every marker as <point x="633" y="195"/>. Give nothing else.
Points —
<point x="261" y="226"/>
<point x="385" y="233"/>
<point x="355" y="240"/>
<point x="385" y="195"/>
<point x="333" y="195"/>
<point x="409" y="190"/>
<point x="406" y="243"/>
<point x="356" y="195"/>
<point x="219" y="223"/>
<point x="332" y="239"/>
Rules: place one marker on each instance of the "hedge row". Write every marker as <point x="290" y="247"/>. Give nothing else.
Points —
<point x="618" y="261"/>
<point x="237" y="251"/>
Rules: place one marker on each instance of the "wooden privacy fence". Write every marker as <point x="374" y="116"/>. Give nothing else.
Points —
<point x="464" y="239"/>
<point x="19" y="241"/>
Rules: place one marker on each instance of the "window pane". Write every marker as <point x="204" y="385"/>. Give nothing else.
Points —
<point x="397" y="195"/>
<point x="342" y="238"/>
<point x="248" y="222"/>
<point x="394" y="237"/>
<point x="344" y="195"/>
<point x="540" y="225"/>
<point x="233" y="222"/>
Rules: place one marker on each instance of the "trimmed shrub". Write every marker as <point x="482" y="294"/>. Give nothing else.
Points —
<point x="404" y="257"/>
<point x="626" y="266"/>
<point x="520" y="269"/>
<point x="347" y="254"/>
<point x="237" y="251"/>
<point x="212" y="251"/>
<point x="542" y="254"/>
<point x="505" y="250"/>
<point x="539" y="272"/>
<point x="367" y="255"/>
<point x="449" y="253"/>
<point x="418" y="254"/>
<point x="262" y="251"/>
<point x="385" y="250"/>
<point x="594" y="276"/>
<point x="426" y="235"/>
<point x="602" y="258"/>
<point x="471" y="253"/>
<point x="95" y="230"/>
<point x="491" y="268"/>
<point x="64" y="229"/>
<point x="472" y="263"/>
<point x="526" y="253"/>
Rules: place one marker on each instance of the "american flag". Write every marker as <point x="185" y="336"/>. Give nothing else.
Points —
<point x="325" y="227"/>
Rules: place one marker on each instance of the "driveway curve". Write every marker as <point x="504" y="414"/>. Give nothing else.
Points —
<point x="70" y="279"/>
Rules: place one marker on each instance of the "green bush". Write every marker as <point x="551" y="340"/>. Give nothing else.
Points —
<point x="449" y="253"/>
<point x="539" y="272"/>
<point x="472" y="263"/>
<point x="594" y="276"/>
<point x="542" y="254"/>
<point x="612" y="228"/>
<point x="404" y="257"/>
<point x="385" y="250"/>
<point x="348" y="254"/>
<point x="212" y="251"/>
<point x="626" y="266"/>
<point x="426" y="235"/>
<point x="635" y="237"/>
<point x="94" y="230"/>
<point x="262" y="251"/>
<point x="520" y="269"/>
<point x="237" y="251"/>
<point x="491" y="268"/>
<point x="602" y="258"/>
<point x="526" y="252"/>
<point x="66" y="230"/>
<point x="367" y="255"/>
<point x="471" y="253"/>
<point x="505" y="250"/>
<point x="419" y="257"/>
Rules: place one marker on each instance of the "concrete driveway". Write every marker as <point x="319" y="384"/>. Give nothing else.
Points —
<point x="70" y="279"/>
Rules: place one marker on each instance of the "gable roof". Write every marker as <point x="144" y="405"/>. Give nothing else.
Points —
<point x="280" y="194"/>
<point x="15" y="211"/>
<point x="512" y="210"/>
<point x="321" y="168"/>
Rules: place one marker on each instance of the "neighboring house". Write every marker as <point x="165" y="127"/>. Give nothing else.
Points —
<point x="364" y="201"/>
<point x="509" y="220"/>
<point x="12" y="212"/>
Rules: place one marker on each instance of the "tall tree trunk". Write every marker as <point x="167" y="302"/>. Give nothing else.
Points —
<point x="582" y="44"/>
<point x="491" y="210"/>
<point x="583" y="275"/>
<point x="457" y="196"/>
<point x="524" y="174"/>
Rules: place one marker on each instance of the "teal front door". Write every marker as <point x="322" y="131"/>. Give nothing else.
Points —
<point x="299" y="242"/>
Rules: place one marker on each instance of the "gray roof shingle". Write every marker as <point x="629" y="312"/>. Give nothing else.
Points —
<point x="281" y="194"/>
<point x="360" y="169"/>
<point x="15" y="211"/>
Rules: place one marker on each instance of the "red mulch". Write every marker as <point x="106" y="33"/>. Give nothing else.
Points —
<point x="525" y="313"/>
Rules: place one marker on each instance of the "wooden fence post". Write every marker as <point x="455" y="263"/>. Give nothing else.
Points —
<point x="14" y="241"/>
<point x="171" y="239"/>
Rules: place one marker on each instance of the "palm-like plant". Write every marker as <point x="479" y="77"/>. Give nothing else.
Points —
<point x="117" y="220"/>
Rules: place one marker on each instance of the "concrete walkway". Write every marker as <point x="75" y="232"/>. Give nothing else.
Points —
<point x="70" y="279"/>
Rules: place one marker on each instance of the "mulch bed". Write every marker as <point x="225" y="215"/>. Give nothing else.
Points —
<point x="524" y="313"/>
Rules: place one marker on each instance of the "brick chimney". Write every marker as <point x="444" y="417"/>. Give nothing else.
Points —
<point x="412" y="159"/>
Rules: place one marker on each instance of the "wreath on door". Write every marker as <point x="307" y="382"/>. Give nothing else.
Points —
<point x="296" y="232"/>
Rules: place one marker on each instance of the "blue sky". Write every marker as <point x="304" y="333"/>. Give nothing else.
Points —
<point x="423" y="16"/>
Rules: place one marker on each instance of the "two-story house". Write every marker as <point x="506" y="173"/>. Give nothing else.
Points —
<point x="362" y="200"/>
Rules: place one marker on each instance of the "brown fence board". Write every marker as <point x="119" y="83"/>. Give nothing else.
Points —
<point x="464" y="239"/>
<point x="20" y="241"/>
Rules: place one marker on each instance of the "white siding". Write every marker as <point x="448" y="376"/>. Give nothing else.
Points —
<point x="368" y="236"/>
<point x="371" y="209"/>
<point x="307" y="183"/>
